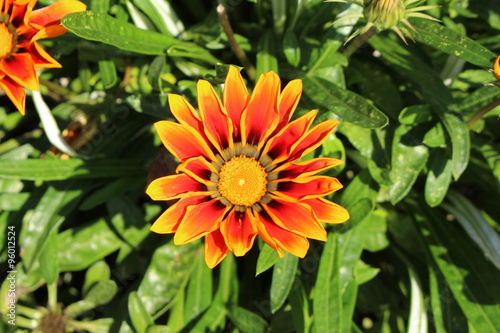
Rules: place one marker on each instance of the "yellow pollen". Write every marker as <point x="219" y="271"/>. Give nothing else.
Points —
<point x="242" y="181"/>
<point x="6" y="38"/>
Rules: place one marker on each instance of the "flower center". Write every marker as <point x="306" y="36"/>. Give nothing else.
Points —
<point x="6" y="40"/>
<point x="242" y="181"/>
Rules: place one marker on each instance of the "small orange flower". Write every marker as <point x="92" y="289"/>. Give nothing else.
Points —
<point x="237" y="177"/>
<point x="20" y="54"/>
<point x="496" y="68"/>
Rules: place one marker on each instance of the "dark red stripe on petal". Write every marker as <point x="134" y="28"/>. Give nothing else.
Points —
<point x="295" y="217"/>
<point x="169" y="221"/>
<point x="310" y="187"/>
<point x="200" y="220"/>
<point x="235" y="98"/>
<point x="197" y="168"/>
<point x="313" y="139"/>
<point x="261" y="116"/>
<point x="239" y="231"/>
<point x="279" y="238"/>
<point x="218" y="126"/>
<point x="307" y="168"/>
<point x="279" y="147"/>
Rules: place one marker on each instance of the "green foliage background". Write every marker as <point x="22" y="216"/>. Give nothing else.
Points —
<point x="419" y="132"/>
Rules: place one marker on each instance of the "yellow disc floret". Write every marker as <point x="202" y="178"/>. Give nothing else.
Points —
<point x="242" y="181"/>
<point x="5" y="41"/>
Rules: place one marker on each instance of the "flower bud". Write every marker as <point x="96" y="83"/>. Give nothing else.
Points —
<point x="384" y="14"/>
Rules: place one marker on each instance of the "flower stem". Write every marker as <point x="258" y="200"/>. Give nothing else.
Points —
<point x="57" y="89"/>
<point x="359" y="41"/>
<point x="52" y="296"/>
<point x="481" y="112"/>
<point x="235" y="47"/>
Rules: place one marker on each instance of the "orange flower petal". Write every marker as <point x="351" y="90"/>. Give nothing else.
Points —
<point x="496" y="67"/>
<point x="261" y="117"/>
<point x="184" y="112"/>
<point x="235" y="98"/>
<point x="169" y="221"/>
<point x="287" y="136"/>
<point x="290" y="171"/>
<point x="200" y="220"/>
<point x="295" y="217"/>
<point x="215" y="248"/>
<point x="41" y="58"/>
<point x="20" y="11"/>
<point x="313" y="139"/>
<point x="239" y="232"/>
<point x="174" y="187"/>
<point x="183" y="141"/>
<point x="15" y="92"/>
<point x="218" y="126"/>
<point x="197" y="168"/>
<point x="289" y="99"/>
<point x="309" y="187"/>
<point x="21" y="69"/>
<point x="279" y="238"/>
<point x="54" y="13"/>
<point x="327" y="211"/>
<point x="49" y="31"/>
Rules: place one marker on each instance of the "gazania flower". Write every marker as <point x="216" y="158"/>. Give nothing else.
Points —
<point x="20" y="54"/>
<point x="238" y="176"/>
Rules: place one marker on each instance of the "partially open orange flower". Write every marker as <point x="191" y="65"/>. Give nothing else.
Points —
<point x="237" y="177"/>
<point x="20" y="54"/>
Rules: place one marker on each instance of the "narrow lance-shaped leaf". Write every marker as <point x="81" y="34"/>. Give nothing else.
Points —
<point x="451" y="42"/>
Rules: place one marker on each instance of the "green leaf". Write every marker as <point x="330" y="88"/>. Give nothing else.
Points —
<point x="438" y="177"/>
<point x="47" y="169"/>
<point x="284" y="272"/>
<point x="447" y="315"/>
<point x="435" y="137"/>
<point x="111" y="190"/>
<point x="102" y="292"/>
<point x="299" y="302"/>
<point x="451" y="42"/>
<point x="170" y="264"/>
<point x="108" y="73"/>
<point x="377" y="240"/>
<point x="476" y="100"/>
<point x="98" y="272"/>
<point x="103" y="28"/>
<point x="138" y="314"/>
<point x="106" y="29"/>
<point x="291" y="48"/>
<point x="471" y="279"/>
<point x="13" y="201"/>
<point x="267" y="258"/>
<point x="475" y="225"/>
<point x="349" y="106"/>
<point x="44" y="221"/>
<point x="49" y="265"/>
<point x="266" y="54"/>
<point x="80" y="247"/>
<point x="327" y="302"/>
<point x="364" y="273"/>
<point x="415" y="114"/>
<point x="408" y="159"/>
<point x="434" y="92"/>
<point x="247" y="321"/>
<point x="199" y="289"/>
